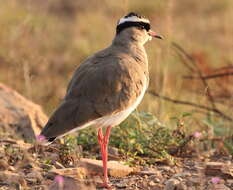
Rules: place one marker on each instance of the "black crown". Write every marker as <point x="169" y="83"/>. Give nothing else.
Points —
<point x="134" y="14"/>
<point x="127" y="24"/>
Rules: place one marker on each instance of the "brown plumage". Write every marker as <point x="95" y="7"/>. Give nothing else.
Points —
<point x="106" y="83"/>
<point x="106" y="87"/>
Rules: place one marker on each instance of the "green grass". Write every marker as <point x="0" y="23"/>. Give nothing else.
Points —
<point x="142" y="139"/>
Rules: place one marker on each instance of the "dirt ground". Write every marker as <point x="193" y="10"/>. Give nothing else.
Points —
<point x="26" y="166"/>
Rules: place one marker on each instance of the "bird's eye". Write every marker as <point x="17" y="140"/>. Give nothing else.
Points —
<point x="141" y="27"/>
<point x="145" y="26"/>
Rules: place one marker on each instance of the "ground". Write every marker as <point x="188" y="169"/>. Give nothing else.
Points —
<point x="31" y="166"/>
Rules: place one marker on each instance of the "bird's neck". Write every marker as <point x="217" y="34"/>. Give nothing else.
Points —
<point x="127" y="40"/>
<point x="130" y="45"/>
<point x="126" y="44"/>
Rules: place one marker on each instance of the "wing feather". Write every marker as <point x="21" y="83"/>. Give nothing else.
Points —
<point x="103" y="85"/>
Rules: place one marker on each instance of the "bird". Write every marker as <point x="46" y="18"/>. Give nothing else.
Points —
<point x="106" y="87"/>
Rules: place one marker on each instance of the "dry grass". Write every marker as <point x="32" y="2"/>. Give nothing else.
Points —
<point x="42" y="42"/>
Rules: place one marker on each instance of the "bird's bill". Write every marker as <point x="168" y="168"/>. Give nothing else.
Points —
<point x="154" y="34"/>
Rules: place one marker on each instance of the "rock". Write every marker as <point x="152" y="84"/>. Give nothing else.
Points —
<point x="69" y="183"/>
<point x="166" y="168"/>
<point x="3" y="164"/>
<point x="76" y="173"/>
<point x="174" y="184"/>
<point x="121" y="185"/>
<point x="185" y="174"/>
<point x="230" y="182"/>
<point x="217" y="187"/>
<point x="227" y="171"/>
<point x="213" y="167"/>
<point x="27" y="166"/>
<point x="115" y="169"/>
<point x="151" y="183"/>
<point x="95" y="179"/>
<point x="149" y="171"/>
<point x="35" y="175"/>
<point x="19" y="117"/>
<point x="11" y="168"/>
<point x="10" y="177"/>
<point x="156" y="180"/>
<point x="224" y="170"/>
<point x="194" y="181"/>
<point x="90" y="167"/>
<point x="113" y="151"/>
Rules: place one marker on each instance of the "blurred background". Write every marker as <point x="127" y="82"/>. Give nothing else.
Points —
<point x="187" y="111"/>
<point x="43" y="41"/>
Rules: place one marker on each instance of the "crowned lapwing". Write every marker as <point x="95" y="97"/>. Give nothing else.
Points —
<point x="107" y="86"/>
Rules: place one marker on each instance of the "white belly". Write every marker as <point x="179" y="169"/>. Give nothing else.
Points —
<point x="112" y="120"/>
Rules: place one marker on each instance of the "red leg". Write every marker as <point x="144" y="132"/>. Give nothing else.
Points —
<point x="103" y="142"/>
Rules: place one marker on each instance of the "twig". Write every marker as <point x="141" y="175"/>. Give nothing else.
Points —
<point x="8" y="141"/>
<point x="189" y="67"/>
<point x="178" y="47"/>
<point x="210" y="76"/>
<point x="223" y="138"/>
<point x="209" y="94"/>
<point x="214" y="110"/>
<point x="228" y="67"/>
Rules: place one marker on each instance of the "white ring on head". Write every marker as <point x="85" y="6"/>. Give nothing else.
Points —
<point x="133" y="19"/>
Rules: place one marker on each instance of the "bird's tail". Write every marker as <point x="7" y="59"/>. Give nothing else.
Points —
<point x="60" y="123"/>
<point x="41" y="139"/>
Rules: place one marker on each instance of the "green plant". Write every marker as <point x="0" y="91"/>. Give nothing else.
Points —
<point x="217" y="129"/>
<point x="141" y="138"/>
<point x="69" y="152"/>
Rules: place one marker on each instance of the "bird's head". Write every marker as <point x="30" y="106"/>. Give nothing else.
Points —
<point x="136" y="27"/>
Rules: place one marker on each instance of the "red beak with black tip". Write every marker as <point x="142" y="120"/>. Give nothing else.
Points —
<point x="155" y="35"/>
